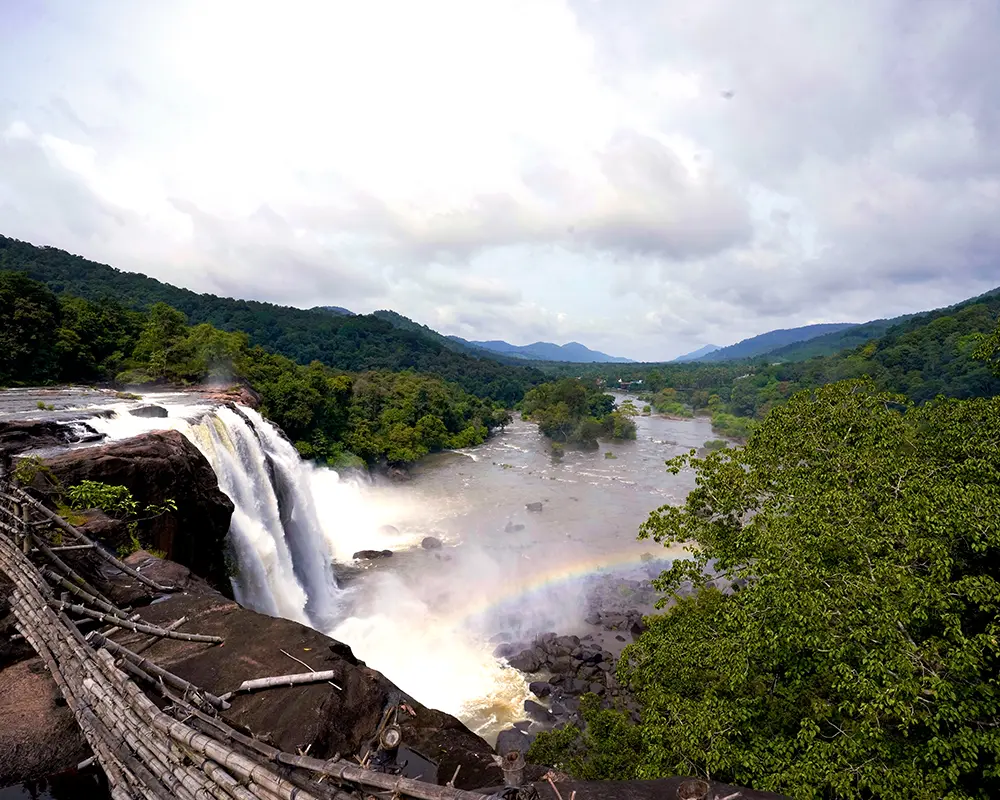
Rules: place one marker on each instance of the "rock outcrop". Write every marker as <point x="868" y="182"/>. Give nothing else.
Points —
<point x="157" y="467"/>
<point x="39" y="735"/>
<point x="17" y="436"/>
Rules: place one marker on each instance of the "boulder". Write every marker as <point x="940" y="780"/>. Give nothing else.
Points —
<point x="389" y="530"/>
<point x="16" y="436"/>
<point x="150" y="411"/>
<point x="570" y="642"/>
<point x="536" y="507"/>
<point x="504" y="649"/>
<point x="540" y="688"/>
<point x="512" y="527"/>
<point x="525" y="661"/>
<point x="371" y="554"/>
<point x="537" y="711"/>
<point x="157" y="467"/>
<point x="563" y="665"/>
<point x="431" y="543"/>
<point x="512" y="739"/>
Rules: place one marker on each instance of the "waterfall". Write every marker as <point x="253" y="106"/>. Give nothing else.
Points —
<point x="282" y="560"/>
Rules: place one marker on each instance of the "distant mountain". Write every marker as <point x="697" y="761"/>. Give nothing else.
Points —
<point x="334" y="310"/>
<point x="770" y="341"/>
<point x="694" y="355"/>
<point x="830" y="343"/>
<point x="573" y="352"/>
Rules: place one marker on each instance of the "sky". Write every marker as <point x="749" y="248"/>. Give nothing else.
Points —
<point x="642" y="176"/>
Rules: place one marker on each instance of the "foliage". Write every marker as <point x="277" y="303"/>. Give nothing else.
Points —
<point x="26" y="468"/>
<point x="860" y="659"/>
<point x="344" y="420"/>
<point x="117" y="502"/>
<point x="356" y="343"/>
<point x="608" y="747"/>
<point x="577" y="412"/>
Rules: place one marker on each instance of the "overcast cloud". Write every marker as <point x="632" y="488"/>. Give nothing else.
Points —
<point x="643" y="176"/>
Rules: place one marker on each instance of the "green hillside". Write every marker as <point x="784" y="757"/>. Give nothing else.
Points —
<point x="354" y="343"/>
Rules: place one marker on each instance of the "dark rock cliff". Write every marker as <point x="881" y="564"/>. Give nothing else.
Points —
<point x="156" y="467"/>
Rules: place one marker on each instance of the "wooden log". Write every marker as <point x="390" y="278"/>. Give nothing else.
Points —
<point x="283" y="680"/>
<point x="137" y="627"/>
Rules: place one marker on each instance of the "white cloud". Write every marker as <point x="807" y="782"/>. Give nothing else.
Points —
<point x="640" y="176"/>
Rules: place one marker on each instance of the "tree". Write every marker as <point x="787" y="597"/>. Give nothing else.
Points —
<point x="860" y="658"/>
<point x="29" y="315"/>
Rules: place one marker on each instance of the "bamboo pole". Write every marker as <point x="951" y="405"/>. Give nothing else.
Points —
<point x="136" y="627"/>
<point x="83" y="595"/>
<point x="283" y="680"/>
<point x="150" y="642"/>
<point x="100" y="551"/>
<point x="152" y="669"/>
<point x="66" y="569"/>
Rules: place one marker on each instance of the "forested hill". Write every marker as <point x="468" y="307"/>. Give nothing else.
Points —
<point x="354" y="343"/>
<point x="767" y="342"/>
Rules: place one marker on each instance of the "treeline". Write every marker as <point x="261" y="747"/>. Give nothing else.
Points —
<point x="924" y="357"/>
<point x="352" y="343"/>
<point x="578" y="412"/>
<point x="331" y="415"/>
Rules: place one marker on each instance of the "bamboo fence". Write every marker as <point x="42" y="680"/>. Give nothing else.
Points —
<point x="183" y="750"/>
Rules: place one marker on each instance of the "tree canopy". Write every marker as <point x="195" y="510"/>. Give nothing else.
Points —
<point x="861" y="657"/>
<point x="577" y="412"/>
<point x="331" y="415"/>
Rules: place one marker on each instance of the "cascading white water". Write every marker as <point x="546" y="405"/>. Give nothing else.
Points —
<point x="282" y="558"/>
<point x="292" y="520"/>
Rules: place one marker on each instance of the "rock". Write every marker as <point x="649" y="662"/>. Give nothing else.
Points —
<point x="398" y="474"/>
<point x="620" y="638"/>
<point x="592" y="657"/>
<point x="525" y="661"/>
<point x="614" y="622"/>
<point x="571" y="642"/>
<point x="497" y="638"/>
<point x="523" y="725"/>
<point x="544" y="639"/>
<point x="372" y="554"/>
<point x="512" y="739"/>
<point x="563" y="665"/>
<point x="389" y="530"/>
<point x="430" y="543"/>
<point x="540" y="688"/>
<point x="16" y="436"/>
<point x="537" y="711"/>
<point x="597" y="688"/>
<point x="586" y="672"/>
<point x="504" y="650"/>
<point x="593" y="618"/>
<point x="512" y="527"/>
<point x="148" y="411"/>
<point x="157" y="467"/>
<point x="605" y="666"/>
<point x="533" y="507"/>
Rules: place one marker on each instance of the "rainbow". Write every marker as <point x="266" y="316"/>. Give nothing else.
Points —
<point x="539" y="582"/>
